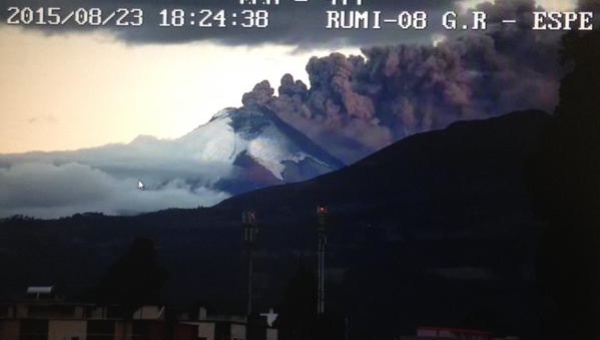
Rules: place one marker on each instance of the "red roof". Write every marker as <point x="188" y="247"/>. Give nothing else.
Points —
<point x="456" y="330"/>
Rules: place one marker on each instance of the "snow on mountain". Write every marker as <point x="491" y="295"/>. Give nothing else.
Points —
<point x="262" y="136"/>
<point x="237" y="151"/>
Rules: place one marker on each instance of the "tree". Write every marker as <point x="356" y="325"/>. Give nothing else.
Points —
<point x="565" y="182"/>
<point x="298" y="319"/>
<point x="134" y="279"/>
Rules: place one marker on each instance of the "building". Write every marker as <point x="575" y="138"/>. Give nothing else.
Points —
<point x="441" y="333"/>
<point x="230" y="327"/>
<point x="60" y="320"/>
<point x="45" y="316"/>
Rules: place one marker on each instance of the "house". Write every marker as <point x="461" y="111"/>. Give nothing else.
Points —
<point x="442" y="333"/>
<point x="230" y="327"/>
<point x="43" y="315"/>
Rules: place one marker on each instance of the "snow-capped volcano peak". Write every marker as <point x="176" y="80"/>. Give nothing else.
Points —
<point x="251" y="138"/>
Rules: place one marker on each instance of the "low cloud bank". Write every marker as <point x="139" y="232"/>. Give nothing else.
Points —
<point x="47" y="190"/>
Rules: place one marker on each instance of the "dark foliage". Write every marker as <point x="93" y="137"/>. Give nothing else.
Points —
<point x="565" y="180"/>
<point x="434" y="230"/>
<point x="298" y="314"/>
<point x="135" y="279"/>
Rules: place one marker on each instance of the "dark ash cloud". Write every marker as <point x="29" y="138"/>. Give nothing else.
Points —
<point x="355" y="105"/>
<point x="290" y="23"/>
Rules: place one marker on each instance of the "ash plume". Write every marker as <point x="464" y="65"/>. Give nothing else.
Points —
<point x="355" y="105"/>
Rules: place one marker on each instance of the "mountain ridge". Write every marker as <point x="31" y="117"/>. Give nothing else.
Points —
<point x="436" y="228"/>
<point x="237" y="151"/>
<point x="504" y="129"/>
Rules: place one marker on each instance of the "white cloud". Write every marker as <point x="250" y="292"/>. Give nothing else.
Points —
<point x="550" y="5"/>
<point x="104" y="179"/>
<point x="46" y="190"/>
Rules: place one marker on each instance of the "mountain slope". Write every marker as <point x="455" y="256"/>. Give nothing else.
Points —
<point x="468" y="160"/>
<point x="434" y="230"/>
<point x="237" y="151"/>
<point x="263" y="149"/>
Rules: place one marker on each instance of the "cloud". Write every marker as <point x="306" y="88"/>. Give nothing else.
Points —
<point x="49" y="191"/>
<point x="354" y="105"/>
<point x="104" y="179"/>
<point x="45" y="119"/>
<point x="154" y="159"/>
<point x="284" y="26"/>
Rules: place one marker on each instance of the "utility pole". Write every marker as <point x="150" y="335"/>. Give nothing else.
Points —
<point x="322" y="241"/>
<point x="250" y="227"/>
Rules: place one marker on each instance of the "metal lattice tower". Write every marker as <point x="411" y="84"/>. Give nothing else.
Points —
<point x="250" y="227"/>
<point x="322" y="242"/>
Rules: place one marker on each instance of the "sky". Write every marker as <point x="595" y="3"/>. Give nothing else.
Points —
<point x="79" y="90"/>
<point x="94" y="91"/>
<point x="68" y="88"/>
